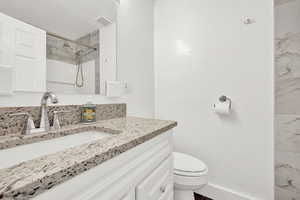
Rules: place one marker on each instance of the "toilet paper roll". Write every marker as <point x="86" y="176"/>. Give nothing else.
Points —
<point x="222" y="108"/>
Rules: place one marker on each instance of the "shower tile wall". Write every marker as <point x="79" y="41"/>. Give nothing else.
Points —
<point x="56" y="50"/>
<point x="287" y="100"/>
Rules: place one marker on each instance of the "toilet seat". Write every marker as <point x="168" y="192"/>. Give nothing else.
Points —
<point x="188" y="166"/>
<point x="189" y="175"/>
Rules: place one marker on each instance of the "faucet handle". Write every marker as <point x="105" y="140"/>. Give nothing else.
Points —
<point x="29" y="124"/>
<point x="56" y="122"/>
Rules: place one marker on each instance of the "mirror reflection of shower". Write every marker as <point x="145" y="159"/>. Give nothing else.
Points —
<point x="72" y="65"/>
<point x="79" y="81"/>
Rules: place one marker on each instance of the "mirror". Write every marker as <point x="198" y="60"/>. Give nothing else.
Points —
<point x="80" y="44"/>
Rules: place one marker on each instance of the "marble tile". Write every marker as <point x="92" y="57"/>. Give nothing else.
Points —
<point x="287" y="172"/>
<point x="287" y="157"/>
<point x="287" y="74"/>
<point x="287" y="66"/>
<point x="289" y="43"/>
<point x="287" y="95"/>
<point x="281" y="2"/>
<point x="287" y="103"/>
<point x="287" y="133"/>
<point x="282" y="194"/>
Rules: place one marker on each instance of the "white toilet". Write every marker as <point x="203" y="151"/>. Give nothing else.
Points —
<point x="189" y="176"/>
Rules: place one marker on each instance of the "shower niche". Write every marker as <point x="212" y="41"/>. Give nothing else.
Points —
<point x="69" y="51"/>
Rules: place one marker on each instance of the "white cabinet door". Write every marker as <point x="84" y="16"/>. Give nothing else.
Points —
<point x="29" y="58"/>
<point x="6" y="57"/>
<point x="22" y="56"/>
<point x="158" y="185"/>
<point x="6" y="42"/>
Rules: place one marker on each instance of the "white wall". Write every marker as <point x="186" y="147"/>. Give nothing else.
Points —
<point x="204" y="50"/>
<point x="135" y="64"/>
<point x="135" y="54"/>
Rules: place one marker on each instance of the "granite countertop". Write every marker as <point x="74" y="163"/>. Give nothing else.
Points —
<point x="30" y="178"/>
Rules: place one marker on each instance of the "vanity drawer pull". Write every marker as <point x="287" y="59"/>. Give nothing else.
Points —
<point x="157" y="185"/>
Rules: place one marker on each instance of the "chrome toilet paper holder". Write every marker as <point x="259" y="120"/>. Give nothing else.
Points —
<point x="224" y="98"/>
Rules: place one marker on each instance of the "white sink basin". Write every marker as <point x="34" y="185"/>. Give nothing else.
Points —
<point x="14" y="156"/>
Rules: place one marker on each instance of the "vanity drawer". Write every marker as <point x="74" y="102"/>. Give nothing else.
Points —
<point x="158" y="185"/>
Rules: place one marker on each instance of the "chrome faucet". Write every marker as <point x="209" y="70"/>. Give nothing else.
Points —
<point x="45" y="124"/>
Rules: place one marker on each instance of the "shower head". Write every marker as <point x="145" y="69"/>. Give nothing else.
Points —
<point x="67" y="45"/>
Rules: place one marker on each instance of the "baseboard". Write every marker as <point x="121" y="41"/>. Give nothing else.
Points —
<point x="217" y="192"/>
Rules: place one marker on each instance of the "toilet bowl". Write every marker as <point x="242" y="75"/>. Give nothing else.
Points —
<point x="189" y="176"/>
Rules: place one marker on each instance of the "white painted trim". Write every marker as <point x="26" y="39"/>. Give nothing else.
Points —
<point x="217" y="192"/>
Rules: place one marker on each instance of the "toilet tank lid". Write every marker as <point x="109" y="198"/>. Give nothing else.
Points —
<point x="188" y="163"/>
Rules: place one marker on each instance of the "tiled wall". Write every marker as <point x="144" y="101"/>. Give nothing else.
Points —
<point x="16" y="125"/>
<point x="287" y="100"/>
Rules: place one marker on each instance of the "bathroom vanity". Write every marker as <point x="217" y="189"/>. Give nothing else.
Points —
<point x="144" y="172"/>
<point x="129" y="159"/>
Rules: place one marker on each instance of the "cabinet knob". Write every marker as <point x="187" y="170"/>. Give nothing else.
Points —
<point x="162" y="189"/>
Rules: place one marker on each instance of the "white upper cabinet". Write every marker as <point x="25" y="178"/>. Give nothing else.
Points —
<point x="30" y="58"/>
<point x="6" y="43"/>
<point x="6" y="57"/>
<point x="23" y="51"/>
